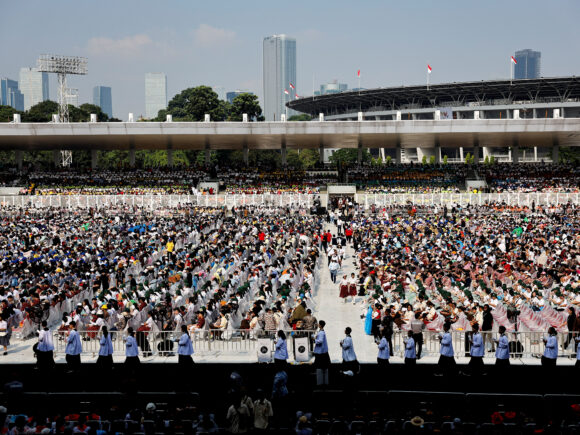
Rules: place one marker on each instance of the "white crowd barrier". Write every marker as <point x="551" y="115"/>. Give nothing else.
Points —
<point x="285" y="200"/>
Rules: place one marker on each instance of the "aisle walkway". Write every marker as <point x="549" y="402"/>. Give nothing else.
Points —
<point x="339" y="315"/>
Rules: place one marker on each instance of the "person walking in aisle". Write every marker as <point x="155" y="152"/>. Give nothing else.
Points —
<point x="73" y="348"/>
<point x="477" y="351"/>
<point x="502" y="353"/>
<point x="184" y="349"/>
<point x="321" y="357"/>
<point x="105" y="359"/>
<point x="131" y="350"/>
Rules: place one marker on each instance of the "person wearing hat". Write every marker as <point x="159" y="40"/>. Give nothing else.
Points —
<point x="105" y="359"/>
<point x="73" y="348"/>
<point x="184" y="349"/>
<point x="417" y="421"/>
<point x="131" y="350"/>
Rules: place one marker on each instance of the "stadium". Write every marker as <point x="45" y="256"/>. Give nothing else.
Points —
<point x="440" y="279"/>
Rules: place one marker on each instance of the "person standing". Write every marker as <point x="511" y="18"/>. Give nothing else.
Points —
<point x="45" y="348"/>
<point x="476" y="351"/>
<point x="105" y="359"/>
<point x="417" y="326"/>
<point x="349" y="361"/>
<point x="572" y="323"/>
<point x="73" y="348"/>
<point x="321" y="357"/>
<point x="184" y="349"/>
<point x="384" y="352"/>
<point x="5" y="330"/>
<point x="262" y="412"/>
<point x="281" y="350"/>
<point x="486" y="327"/>
<point x="446" y="357"/>
<point x="410" y="351"/>
<point x="502" y="354"/>
<point x="551" y="351"/>
<point x="131" y="350"/>
<point x="333" y="266"/>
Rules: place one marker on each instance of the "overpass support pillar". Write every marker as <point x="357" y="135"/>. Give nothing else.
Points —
<point x="438" y="153"/>
<point x="476" y="153"/>
<point x="19" y="159"/>
<point x="486" y="152"/>
<point x="321" y="153"/>
<point x="515" y="153"/>
<point x="427" y="153"/>
<point x="284" y="155"/>
<point x="170" y="157"/>
<point x="399" y="153"/>
<point x="207" y="156"/>
<point x="461" y="154"/>
<point x="555" y="152"/>
<point x="359" y="154"/>
<point x="132" y="157"/>
<point x="94" y="159"/>
<point x="56" y="158"/>
<point x="246" y="156"/>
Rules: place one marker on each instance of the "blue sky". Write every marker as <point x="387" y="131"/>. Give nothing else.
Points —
<point x="219" y="43"/>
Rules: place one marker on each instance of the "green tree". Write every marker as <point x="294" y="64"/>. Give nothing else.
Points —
<point x="445" y="159"/>
<point x="486" y="160"/>
<point x="41" y="112"/>
<point x="88" y="109"/>
<point x="349" y="156"/>
<point x="246" y="103"/>
<point x="193" y="103"/>
<point x="301" y="117"/>
<point x="468" y="158"/>
<point x="492" y="160"/>
<point x="293" y="159"/>
<point x="309" y="158"/>
<point x="7" y="113"/>
<point x="432" y="160"/>
<point x="424" y="160"/>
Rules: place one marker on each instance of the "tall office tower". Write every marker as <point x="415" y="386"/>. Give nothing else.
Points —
<point x="34" y="86"/>
<point x="102" y="97"/>
<point x="332" y="88"/>
<point x="233" y="94"/>
<point x="279" y="75"/>
<point x="155" y="94"/>
<point x="528" y="64"/>
<point x="10" y="95"/>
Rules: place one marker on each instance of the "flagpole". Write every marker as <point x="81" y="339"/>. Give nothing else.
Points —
<point x="511" y="71"/>
<point x="428" y="77"/>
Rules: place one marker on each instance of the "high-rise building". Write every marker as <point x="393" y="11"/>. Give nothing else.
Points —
<point x="528" y="64"/>
<point x="34" y="86"/>
<point x="332" y="88"/>
<point x="72" y="97"/>
<point x="233" y="94"/>
<point x="10" y="95"/>
<point x="102" y="97"/>
<point x="279" y="64"/>
<point x="155" y="94"/>
<point x="220" y="91"/>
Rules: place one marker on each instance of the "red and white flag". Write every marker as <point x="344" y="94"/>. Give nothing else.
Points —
<point x="297" y="96"/>
<point x="514" y="61"/>
<point x="286" y="92"/>
<point x="358" y="73"/>
<point x="292" y="86"/>
<point x="429" y="69"/>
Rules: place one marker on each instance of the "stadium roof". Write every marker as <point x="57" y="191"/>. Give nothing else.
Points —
<point x="542" y="90"/>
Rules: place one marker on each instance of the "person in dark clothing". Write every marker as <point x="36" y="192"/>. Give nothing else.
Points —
<point x="387" y="325"/>
<point x="486" y="327"/>
<point x="572" y="323"/>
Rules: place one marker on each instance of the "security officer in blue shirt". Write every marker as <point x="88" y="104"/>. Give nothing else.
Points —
<point x="551" y="352"/>
<point x="281" y="351"/>
<point x="410" y="351"/>
<point x="131" y="350"/>
<point x="502" y="353"/>
<point x="384" y="353"/>
<point x="321" y="357"/>
<point x="446" y="357"/>
<point x="105" y="359"/>
<point x="476" y="351"/>
<point x="349" y="361"/>
<point x="73" y="348"/>
<point x="184" y="349"/>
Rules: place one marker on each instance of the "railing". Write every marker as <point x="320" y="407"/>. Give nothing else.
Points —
<point x="510" y="198"/>
<point x="205" y="341"/>
<point x="157" y="201"/>
<point x="532" y="344"/>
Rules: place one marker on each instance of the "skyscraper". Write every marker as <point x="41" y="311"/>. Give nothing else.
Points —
<point x="233" y="94"/>
<point x="279" y="63"/>
<point x="34" y="86"/>
<point x="528" y="64"/>
<point x="332" y="88"/>
<point x="155" y="94"/>
<point x="10" y="95"/>
<point x="102" y="97"/>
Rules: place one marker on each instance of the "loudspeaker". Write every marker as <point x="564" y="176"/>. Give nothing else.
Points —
<point x="264" y="350"/>
<point x="301" y="349"/>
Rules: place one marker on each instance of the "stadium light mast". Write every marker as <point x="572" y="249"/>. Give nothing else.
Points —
<point x="63" y="65"/>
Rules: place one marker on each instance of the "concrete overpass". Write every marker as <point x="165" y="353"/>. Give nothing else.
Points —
<point x="427" y="135"/>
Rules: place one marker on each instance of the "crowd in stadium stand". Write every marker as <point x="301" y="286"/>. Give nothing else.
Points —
<point x="530" y="177"/>
<point x="409" y="178"/>
<point x="276" y="182"/>
<point x="253" y="269"/>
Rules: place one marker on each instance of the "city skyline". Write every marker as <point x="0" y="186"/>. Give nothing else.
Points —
<point x="210" y="44"/>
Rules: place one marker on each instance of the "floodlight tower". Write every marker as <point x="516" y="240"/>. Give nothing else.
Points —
<point x="63" y="65"/>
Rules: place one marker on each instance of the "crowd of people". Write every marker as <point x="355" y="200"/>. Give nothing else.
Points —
<point x="207" y="269"/>
<point x="532" y="177"/>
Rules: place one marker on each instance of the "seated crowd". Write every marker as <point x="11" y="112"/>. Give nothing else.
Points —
<point x="531" y="177"/>
<point x="202" y="267"/>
